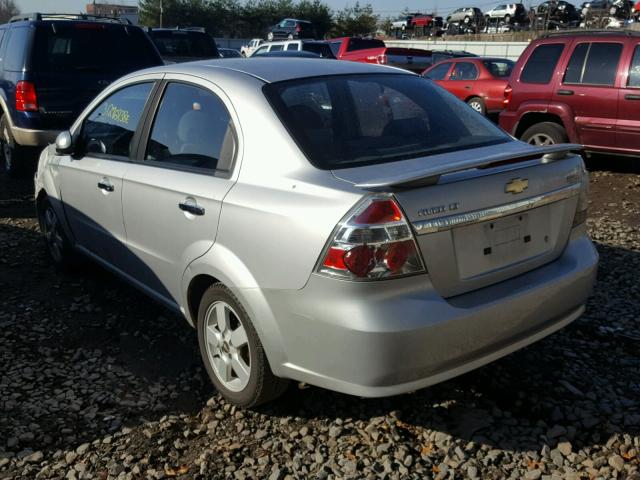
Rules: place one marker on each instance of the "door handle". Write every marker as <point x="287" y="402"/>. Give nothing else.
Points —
<point x="565" y="92"/>
<point x="106" y="185"/>
<point x="630" y="96"/>
<point x="192" y="208"/>
<point x="467" y="87"/>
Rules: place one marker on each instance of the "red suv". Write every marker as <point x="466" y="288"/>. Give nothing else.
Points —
<point x="577" y="87"/>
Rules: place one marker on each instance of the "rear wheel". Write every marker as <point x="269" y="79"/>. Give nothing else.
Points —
<point x="232" y="352"/>
<point x="545" y="133"/>
<point x="270" y="36"/>
<point x="290" y="36"/>
<point x="477" y="104"/>
<point x="507" y="18"/>
<point x="17" y="159"/>
<point x="56" y="242"/>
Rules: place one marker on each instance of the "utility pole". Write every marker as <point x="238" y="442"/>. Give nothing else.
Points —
<point x="161" y="11"/>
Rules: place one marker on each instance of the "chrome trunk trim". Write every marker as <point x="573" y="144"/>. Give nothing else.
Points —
<point x="447" y="223"/>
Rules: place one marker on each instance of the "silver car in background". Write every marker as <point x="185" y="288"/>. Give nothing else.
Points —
<point x="350" y="226"/>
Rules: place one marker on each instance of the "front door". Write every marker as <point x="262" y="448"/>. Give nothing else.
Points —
<point x="460" y="82"/>
<point x="173" y="196"/>
<point x="588" y="87"/>
<point x="628" y="126"/>
<point x="91" y="179"/>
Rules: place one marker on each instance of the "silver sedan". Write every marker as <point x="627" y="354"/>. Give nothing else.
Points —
<point x="350" y="226"/>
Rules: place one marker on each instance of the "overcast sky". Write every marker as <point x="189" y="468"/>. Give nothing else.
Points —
<point x="383" y="8"/>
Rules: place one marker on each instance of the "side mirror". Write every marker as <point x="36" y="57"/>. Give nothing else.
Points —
<point x="64" y="143"/>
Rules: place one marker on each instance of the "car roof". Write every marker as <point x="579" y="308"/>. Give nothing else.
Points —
<point x="274" y="69"/>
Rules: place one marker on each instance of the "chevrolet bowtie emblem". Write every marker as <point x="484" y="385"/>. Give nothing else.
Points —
<point x="517" y="185"/>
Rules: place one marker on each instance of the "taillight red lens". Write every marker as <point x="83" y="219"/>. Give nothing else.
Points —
<point x="373" y="241"/>
<point x="379" y="211"/>
<point x="508" y="91"/>
<point x="26" y="98"/>
<point x="382" y="59"/>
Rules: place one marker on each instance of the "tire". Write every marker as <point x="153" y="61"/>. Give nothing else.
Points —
<point x="478" y="105"/>
<point x="250" y="382"/>
<point x="18" y="160"/>
<point x="545" y="133"/>
<point x="507" y="18"/>
<point x="58" y="246"/>
<point x="270" y="36"/>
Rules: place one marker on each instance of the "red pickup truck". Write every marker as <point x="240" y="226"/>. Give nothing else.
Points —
<point x="367" y="50"/>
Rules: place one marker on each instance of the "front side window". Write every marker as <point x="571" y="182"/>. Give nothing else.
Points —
<point x="438" y="72"/>
<point x="109" y="129"/>
<point x="542" y="63"/>
<point x="345" y="121"/>
<point x="192" y="129"/>
<point x="634" y="69"/>
<point x="594" y="64"/>
<point x="464" y="71"/>
<point x="276" y="48"/>
<point x="261" y="50"/>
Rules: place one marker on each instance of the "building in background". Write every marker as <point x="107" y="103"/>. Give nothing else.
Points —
<point x="128" y="12"/>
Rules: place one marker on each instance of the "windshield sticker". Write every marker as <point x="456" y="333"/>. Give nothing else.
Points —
<point x="116" y="114"/>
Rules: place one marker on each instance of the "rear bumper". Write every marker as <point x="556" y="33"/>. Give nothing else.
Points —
<point x="33" y="138"/>
<point x="389" y="337"/>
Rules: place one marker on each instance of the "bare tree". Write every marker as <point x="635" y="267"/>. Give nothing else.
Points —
<point x="8" y="9"/>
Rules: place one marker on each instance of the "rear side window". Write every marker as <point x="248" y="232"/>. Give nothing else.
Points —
<point x="594" y="64"/>
<point x="292" y="46"/>
<point x="464" y="71"/>
<point x="499" y="68"/>
<point x="634" y="69"/>
<point x="438" y="72"/>
<point x="109" y="129"/>
<point x="542" y="63"/>
<point x="350" y="120"/>
<point x="363" y="44"/>
<point x="192" y="129"/>
<point x="18" y="44"/>
<point x="276" y="48"/>
<point x="93" y="48"/>
<point x="335" y="48"/>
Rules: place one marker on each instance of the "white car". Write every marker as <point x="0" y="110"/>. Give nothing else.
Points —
<point x="507" y="12"/>
<point x="247" y="50"/>
<point x="319" y="47"/>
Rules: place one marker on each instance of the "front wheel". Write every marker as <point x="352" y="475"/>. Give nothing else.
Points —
<point x="232" y="352"/>
<point x="270" y="36"/>
<point x="57" y="244"/>
<point x="290" y="36"/>
<point x="477" y="104"/>
<point x="545" y="133"/>
<point x="16" y="157"/>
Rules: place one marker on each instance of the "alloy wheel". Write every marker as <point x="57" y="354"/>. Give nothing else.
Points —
<point x="52" y="234"/>
<point x="227" y="346"/>
<point x="476" y="106"/>
<point x="541" y="139"/>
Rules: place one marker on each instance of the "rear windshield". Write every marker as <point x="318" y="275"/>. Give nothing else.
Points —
<point x="93" y="47"/>
<point x="363" y="44"/>
<point x="499" y="68"/>
<point x="350" y="120"/>
<point x="184" y="44"/>
<point x="321" y="49"/>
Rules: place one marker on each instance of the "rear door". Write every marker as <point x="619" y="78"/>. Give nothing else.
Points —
<point x="172" y="197"/>
<point x="589" y="88"/>
<point x="73" y="61"/>
<point x="628" y="123"/>
<point x="91" y="179"/>
<point x="461" y="79"/>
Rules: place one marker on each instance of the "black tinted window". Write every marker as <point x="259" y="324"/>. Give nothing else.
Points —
<point x="292" y="46"/>
<point x="349" y="120"/>
<point x="464" y="71"/>
<point x="634" y="69"/>
<point x="93" y="47"/>
<point x="594" y="64"/>
<point x="276" y="48"/>
<point x="438" y="72"/>
<point x="18" y="44"/>
<point x="335" y="48"/>
<point x="576" y="64"/>
<point x="362" y="44"/>
<point x="542" y="63"/>
<point x="109" y="129"/>
<point x="185" y="44"/>
<point x="499" y="68"/>
<point x="192" y="129"/>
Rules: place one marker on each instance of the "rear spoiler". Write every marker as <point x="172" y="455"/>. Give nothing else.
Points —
<point x="431" y="175"/>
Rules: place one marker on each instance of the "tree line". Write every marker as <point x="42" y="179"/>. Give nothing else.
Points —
<point x="252" y="18"/>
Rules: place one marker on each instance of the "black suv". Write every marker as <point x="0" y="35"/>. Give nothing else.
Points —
<point x="290" y="28"/>
<point x="51" y="67"/>
<point x="184" y="44"/>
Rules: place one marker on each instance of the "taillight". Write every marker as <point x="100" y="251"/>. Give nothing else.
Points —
<point x="373" y="241"/>
<point x="508" y="92"/>
<point x="298" y="29"/>
<point x="382" y="59"/>
<point x="26" y="99"/>
<point x="582" y="209"/>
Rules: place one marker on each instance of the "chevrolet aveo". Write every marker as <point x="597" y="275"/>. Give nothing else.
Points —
<point x="346" y="225"/>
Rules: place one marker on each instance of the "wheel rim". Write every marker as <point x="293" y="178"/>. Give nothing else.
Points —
<point x="227" y="346"/>
<point x="52" y="234"/>
<point x="541" y="139"/>
<point x="476" y="106"/>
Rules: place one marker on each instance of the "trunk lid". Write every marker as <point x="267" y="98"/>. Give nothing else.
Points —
<point x="484" y="219"/>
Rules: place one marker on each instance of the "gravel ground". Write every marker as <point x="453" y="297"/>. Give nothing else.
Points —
<point x="98" y="382"/>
